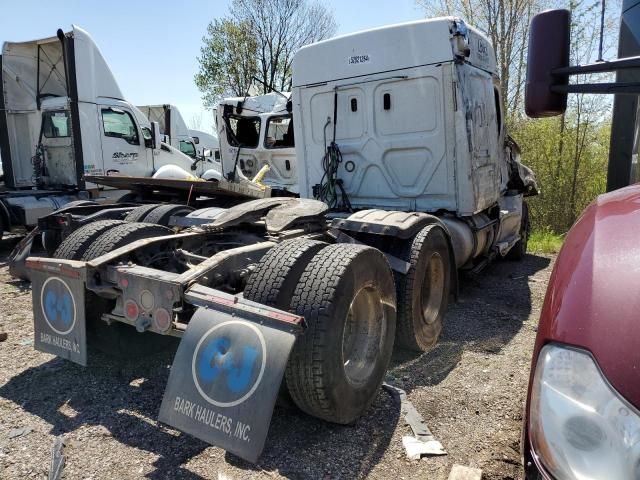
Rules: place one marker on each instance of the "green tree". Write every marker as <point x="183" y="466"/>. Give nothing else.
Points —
<point x="252" y="50"/>
<point x="227" y="61"/>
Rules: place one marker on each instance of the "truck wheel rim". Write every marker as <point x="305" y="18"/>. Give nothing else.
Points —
<point x="362" y="336"/>
<point x="432" y="289"/>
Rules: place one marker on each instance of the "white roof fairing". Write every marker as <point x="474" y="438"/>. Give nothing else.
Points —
<point x="20" y="71"/>
<point x="386" y="49"/>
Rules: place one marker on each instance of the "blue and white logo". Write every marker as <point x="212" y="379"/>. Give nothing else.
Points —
<point x="58" y="305"/>
<point x="228" y="363"/>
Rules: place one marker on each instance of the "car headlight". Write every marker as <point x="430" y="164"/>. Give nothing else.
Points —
<point x="580" y="428"/>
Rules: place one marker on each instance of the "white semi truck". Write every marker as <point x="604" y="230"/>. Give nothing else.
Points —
<point x="63" y="116"/>
<point x="255" y="132"/>
<point x="173" y="128"/>
<point x="406" y="176"/>
<point x="206" y="141"/>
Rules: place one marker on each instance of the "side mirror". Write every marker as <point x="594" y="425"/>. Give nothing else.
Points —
<point x="207" y="153"/>
<point x="196" y="140"/>
<point x="155" y="133"/>
<point x="549" y="43"/>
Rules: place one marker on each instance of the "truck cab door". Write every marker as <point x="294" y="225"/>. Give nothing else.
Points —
<point x="123" y="143"/>
<point x="58" y="148"/>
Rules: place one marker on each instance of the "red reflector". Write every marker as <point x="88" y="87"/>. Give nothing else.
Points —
<point x="124" y="283"/>
<point x="162" y="319"/>
<point x="131" y="310"/>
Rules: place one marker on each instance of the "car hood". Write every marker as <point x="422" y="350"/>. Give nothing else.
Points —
<point x="593" y="298"/>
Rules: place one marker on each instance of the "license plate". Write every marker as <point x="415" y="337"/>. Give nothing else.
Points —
<point x="58" y="308"/>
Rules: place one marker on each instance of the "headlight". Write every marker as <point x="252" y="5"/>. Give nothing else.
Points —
<point x="579" y="427"/>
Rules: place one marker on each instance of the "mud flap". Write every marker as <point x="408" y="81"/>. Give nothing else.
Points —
<point x="227" y="372"/>
<point x="18" y="257"/>
<point x="58" y="308"/>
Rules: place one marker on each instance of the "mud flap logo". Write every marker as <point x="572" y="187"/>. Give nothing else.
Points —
<point x="58" y="305"/>
<point x="58" y="314"/>
<point x="227" y="374"/>
<point x="225" y="378"/>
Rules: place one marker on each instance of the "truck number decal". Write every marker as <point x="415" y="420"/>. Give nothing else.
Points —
<point x="357" y="59"/>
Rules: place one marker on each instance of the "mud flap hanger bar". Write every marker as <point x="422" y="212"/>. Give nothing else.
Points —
<point x="202" y="296"/>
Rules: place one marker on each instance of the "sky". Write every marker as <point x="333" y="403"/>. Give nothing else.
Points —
<point x="152" y="46"/>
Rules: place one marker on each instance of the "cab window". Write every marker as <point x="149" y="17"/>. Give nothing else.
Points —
<point x="243" y="131"/>
<point x="55" y="124"/>
<point x="119" y="124"/>
<point x="279" y="132"/>
<point x="188" y="148"/>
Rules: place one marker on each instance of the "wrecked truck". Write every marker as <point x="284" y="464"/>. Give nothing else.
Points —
<point x="406" y="177"/>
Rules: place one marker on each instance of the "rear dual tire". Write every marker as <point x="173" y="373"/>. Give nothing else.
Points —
<point x="90" y="242"/>
<point x="159" y="214"/>
<point x="347" y="297"/>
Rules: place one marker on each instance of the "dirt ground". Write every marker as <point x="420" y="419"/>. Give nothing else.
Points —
<point x="470" y="389"/>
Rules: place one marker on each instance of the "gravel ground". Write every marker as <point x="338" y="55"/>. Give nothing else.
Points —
<point x="470" y="389"/>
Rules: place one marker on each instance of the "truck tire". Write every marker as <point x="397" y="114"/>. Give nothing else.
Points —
<point x="423" y="293"/>
<point x="519" y="250"/>
<point x="138" y="214"/>
<point x="162" y="214"/>
<point x="275" y="280"/>
<point x="75" y="245"/>
<point x="347" y="297"/>
<point x="122" y="235"/>
<point x="277" y="274"/>
<point x="119" y="340"/>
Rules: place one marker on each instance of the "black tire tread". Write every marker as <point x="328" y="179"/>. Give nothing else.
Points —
<point x="316" y="290"/>
<point x="162" y="214"/>
<point x="279" y="270"/>
<point x="405" y="335"/>
<point x="138" y="214"/>
<point x="76" y="244"/>
<point x="122" y="235"/>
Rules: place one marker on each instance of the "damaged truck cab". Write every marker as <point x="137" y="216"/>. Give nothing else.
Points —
<point x="256" y="133"/>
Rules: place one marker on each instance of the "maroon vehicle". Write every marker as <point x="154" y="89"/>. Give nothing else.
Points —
<point x="582" y="414"/>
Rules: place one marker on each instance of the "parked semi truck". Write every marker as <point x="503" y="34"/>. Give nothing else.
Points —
<point x="406" y="176"/>
<point x="255" y="132"/>
<point x="206" y="141"/>
<point x="173" y="128"/>
<point x="582" y="414"/>
<point x="63" y="116"/>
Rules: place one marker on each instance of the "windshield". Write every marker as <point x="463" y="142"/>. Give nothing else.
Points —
<point x="188" y="148"/>
<point x="279" y="132"/>
<point x="243" y="131"/>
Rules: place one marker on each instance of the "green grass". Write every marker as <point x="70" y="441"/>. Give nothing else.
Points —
<point x="544" y="241"/>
